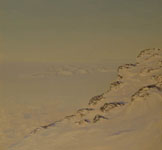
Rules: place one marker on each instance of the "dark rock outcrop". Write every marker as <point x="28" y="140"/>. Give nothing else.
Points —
<point x="108" y="106"/>
<point x="94" y="100"/>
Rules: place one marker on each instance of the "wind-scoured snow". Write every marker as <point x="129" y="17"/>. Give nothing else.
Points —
<point x="127" y="116"/>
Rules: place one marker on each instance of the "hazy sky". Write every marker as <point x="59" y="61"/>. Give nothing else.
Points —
<point x="78" y="30"/>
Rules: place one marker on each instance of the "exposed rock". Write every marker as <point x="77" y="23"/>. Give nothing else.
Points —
<point x="70" y="117"/>
<point x="115" y="85"/>
<point x="120" y="77"/>
<point x="44" y="127"/>
<point x="147" y="54"/>
<point x="108" y="106"/>
<point x="98" y="117"/>
<point x="83" y="122"/>
<point x="124" y="69"/>
<point x="84" y="111"/>
<point x="94" y="100"/>
<point x="144" y="91"/>
<point x="126" y="66"/>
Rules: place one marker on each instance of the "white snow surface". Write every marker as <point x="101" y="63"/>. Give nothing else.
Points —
<point x="128" y="116"/>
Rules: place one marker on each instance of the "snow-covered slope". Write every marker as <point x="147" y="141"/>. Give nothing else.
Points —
<point x="127" y="116"/>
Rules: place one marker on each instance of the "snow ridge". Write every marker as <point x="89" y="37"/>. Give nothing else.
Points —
<point x="136" y="94"/>
<point x="100" y="104"/>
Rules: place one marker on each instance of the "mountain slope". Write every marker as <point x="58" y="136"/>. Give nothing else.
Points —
<point x="127" y="116"/>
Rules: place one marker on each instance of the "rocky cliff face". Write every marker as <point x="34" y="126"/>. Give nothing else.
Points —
<point x="128" y="114"/>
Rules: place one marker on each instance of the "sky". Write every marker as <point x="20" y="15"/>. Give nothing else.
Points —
<point x="78" y="30"/>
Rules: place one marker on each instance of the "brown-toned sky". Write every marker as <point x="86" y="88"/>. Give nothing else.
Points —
<point x="78" y="30"/>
